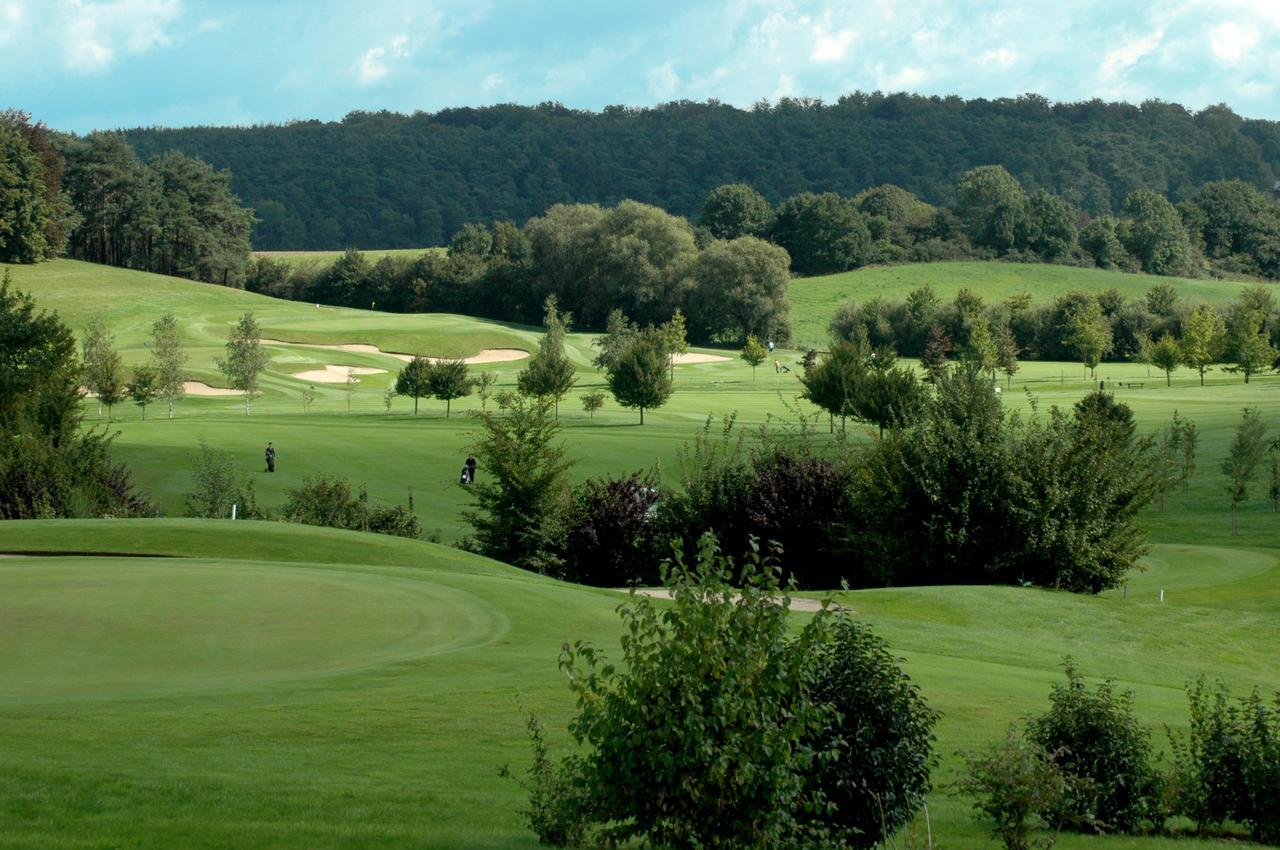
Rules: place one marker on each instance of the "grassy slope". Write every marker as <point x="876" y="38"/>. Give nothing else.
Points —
<point x="394" y="740"/>
<point x="814" y="299"/>
<point x="325" y="258"/>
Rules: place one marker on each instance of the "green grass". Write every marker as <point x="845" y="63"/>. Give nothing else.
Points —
<point x="279" y="697"/>
<point x="272" y="685"/>
<point x="326" y="258"/>
<point x="814" y="299"/>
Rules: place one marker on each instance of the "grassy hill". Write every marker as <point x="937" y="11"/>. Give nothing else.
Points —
<point x="284" y="686"/>
<point x="325" y="258"/>
<point x="815" y="299"/>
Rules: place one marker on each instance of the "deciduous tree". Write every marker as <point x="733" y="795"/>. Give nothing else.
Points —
<point x="1204" y="339"/>
<point x="641" y="377"/>
<point x="414" y="380"/>
<point x="169" y="358"/>
<point x="246" y="358"/>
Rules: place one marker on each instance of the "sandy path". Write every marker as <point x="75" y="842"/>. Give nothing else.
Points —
<point x="487" y="355"/>
<point x="686" y="359"/>
<point x="201" y="388"/>
<point x="335" y="374"/>
<point x="798" y="603"/>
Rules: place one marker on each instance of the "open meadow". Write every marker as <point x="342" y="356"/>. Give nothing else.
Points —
<point x="317" y="688"/>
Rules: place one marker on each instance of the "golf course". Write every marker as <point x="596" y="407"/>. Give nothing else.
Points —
<point x="173" y="682"/>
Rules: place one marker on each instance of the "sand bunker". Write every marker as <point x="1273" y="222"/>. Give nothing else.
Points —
<point x="487" y="355"/>
<point x="335" y="374"/>
<point x="798" y="603"/>
<point x="201" y="388"/>
<point x="686" y="359"/>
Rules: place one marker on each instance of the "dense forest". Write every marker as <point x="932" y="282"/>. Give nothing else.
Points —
<point x="380" y="180"/>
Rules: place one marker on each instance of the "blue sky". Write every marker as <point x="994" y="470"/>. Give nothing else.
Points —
<point x="100" y="64"/>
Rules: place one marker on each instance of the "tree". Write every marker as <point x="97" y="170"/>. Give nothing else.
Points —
<point x="1273" y="477"/>
<point x="888" y="396"/>
<point x="1089" y="333"/>
<point x="349" y="386"/>
<point x="1007" y="352"/>
<point x="1241" y="463"/>
<point x="934" y="359"/>
<point x="447" y="380"/>
<point x="1254" y="352"/>
<point x="96" y="348"/>
<point x="520" y="503"/>
<point x="618" y="335"/>
<point x="675" y="336"/>
<point x="246" y="358"/>
<point x="1052" y="226"/>
<point x="144" y="387"/>
<point x="110" y="379"/>
<point x="23" y="211"/>
<point x="484" y="387"/>
<point x="549" y="373"/>
<point x="993" y="207"/>
<point x="414" y="380"/>
<point x="1190" y="442"/>
<point x="981" y="348"/>
<point x="641" y="377"/>
<point x="1204" y="339"/>
<point x="754" y="353"/>
<point x="308" y="398"/>
<point x="735" y="209"/>
<point x="822" y="233"/>
<point x="832" y="383"/>
<point x="169" y="358"/>
<point x="388" y="397"/>
<point x="591" y="402"/>
<point x="741" y="290"/>
<point x="1156" y="236"/>
<point x="1166" y="354"/>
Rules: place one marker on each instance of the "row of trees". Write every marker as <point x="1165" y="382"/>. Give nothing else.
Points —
<point x="630" y="257"/>
<point x="92" y="198"/>
<point x="962" y="492"/>
<point x="378" y="179"/>
<point x="1160" y="328"/>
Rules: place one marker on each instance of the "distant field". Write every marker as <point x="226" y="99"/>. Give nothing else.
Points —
<point x="325" y="258"/>
<point x="814" y="299"/>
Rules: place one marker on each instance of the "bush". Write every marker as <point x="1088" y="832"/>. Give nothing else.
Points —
<point x="558" y="801"/>
<point x="1228" y="768"/>
<point x="217" y="485"/>
<point x="1104" y="754"/>
<point x="329" y="502"/>
<point x="707" y="738"/>
<point x="610" y="536"/>
<point x="1017" y="785"/>
<point x="882" y="730"/>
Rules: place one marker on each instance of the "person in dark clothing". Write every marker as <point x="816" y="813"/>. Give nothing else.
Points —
<point x="468" y="476"/>
<point x="271" y="458"/>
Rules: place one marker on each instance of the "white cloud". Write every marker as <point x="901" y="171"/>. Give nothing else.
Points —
<point x="1001" y="57"/>
<point x="493" y="82"/>
<point x="663" y="80"/>
<point x="832" y="47"/>
<point x="96" y="33"/>
<point x="1232" y="42"/>
<point x="1129" y="54"/>
<point x="904" y="79"/>
<point x="375" y="63"/>
<point x="1254" y="88"/>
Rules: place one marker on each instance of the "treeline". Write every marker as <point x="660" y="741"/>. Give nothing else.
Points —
<point x="594" y="260"/>
<point x="1160" y="329"/>
<point x="93" y="199"/>
<point x="377" y="180"/>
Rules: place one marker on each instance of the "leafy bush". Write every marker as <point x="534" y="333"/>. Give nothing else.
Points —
<point x="1228" y="768"/>
<point x="882" y="731"/>
<point x="1105" y="755"/>
<point x="609" y="540"/>
<point x="329" y="502"/>
<point x="217" y="485"/>
<point x="1017" y="785"/>
<point x="558" y="802"/>
<point x="707" y="738"/>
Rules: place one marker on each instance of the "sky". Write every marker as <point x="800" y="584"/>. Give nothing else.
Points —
<point x="81" y="65"/>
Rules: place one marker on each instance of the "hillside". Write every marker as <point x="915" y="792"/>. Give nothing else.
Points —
<point x="313" y="688"/>
<point x="377" y="180"/>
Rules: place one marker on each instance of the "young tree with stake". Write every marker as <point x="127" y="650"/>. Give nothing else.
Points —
<point x="754" y="353"/>
<point x="144" y="387"/>
<point x="169" y="357"/>
<point x="1166" y="355"/>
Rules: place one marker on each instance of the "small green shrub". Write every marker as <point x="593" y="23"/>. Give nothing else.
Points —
<point x="1104" y="754"/>
<point x="1017" y="785"/>
<point x="216" y="485"/>
<point x="1228" y="767"/>
<point x="558" y="801"/>
<point x="329" y="502"/>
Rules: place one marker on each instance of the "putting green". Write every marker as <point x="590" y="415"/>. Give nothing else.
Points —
<point x="95" y="628"/>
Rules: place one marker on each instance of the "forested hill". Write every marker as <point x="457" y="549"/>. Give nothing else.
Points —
<point x="389" y="180"/>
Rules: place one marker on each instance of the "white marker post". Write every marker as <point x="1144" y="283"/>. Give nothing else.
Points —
<point x="233" y="517"/>
<point x="1162" y="594"/>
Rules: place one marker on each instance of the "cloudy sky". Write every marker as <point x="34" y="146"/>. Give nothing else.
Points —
<point x="98" y="64"/>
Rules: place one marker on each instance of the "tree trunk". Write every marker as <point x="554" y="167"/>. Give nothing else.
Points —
<point x="1233" y="519"/>
<point x="642" y="416"/>
<point x="448" y="403"/>
<point x="415" y="405"/>
<point x="1168" y="379"/>
<point x="170" y="407"/>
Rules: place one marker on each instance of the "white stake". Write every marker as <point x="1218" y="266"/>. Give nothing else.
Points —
<point x="233" y="516"/>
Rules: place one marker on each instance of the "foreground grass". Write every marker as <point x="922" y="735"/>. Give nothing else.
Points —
<point x="282" y="698"/>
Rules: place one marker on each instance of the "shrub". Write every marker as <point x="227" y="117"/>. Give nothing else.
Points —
<point x="1229" y="765"/>
<point x="610" y="536"/>
<point x="329" y="502"/>
<point x="217" y="485"/>
<point x="1017" y="785"/>
<point x="1104" y="754"/>
<point x="707" y="738"/>
<point x="558" y="802"/>
<point x="882" y="730"/>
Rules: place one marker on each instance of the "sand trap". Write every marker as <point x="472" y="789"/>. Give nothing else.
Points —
<point x="201" y="388"/>
<point x="335" y="374"/>
<point x="686" y="359"/>
<point x="798" y="603"/>
<point x="487" y="355"/>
